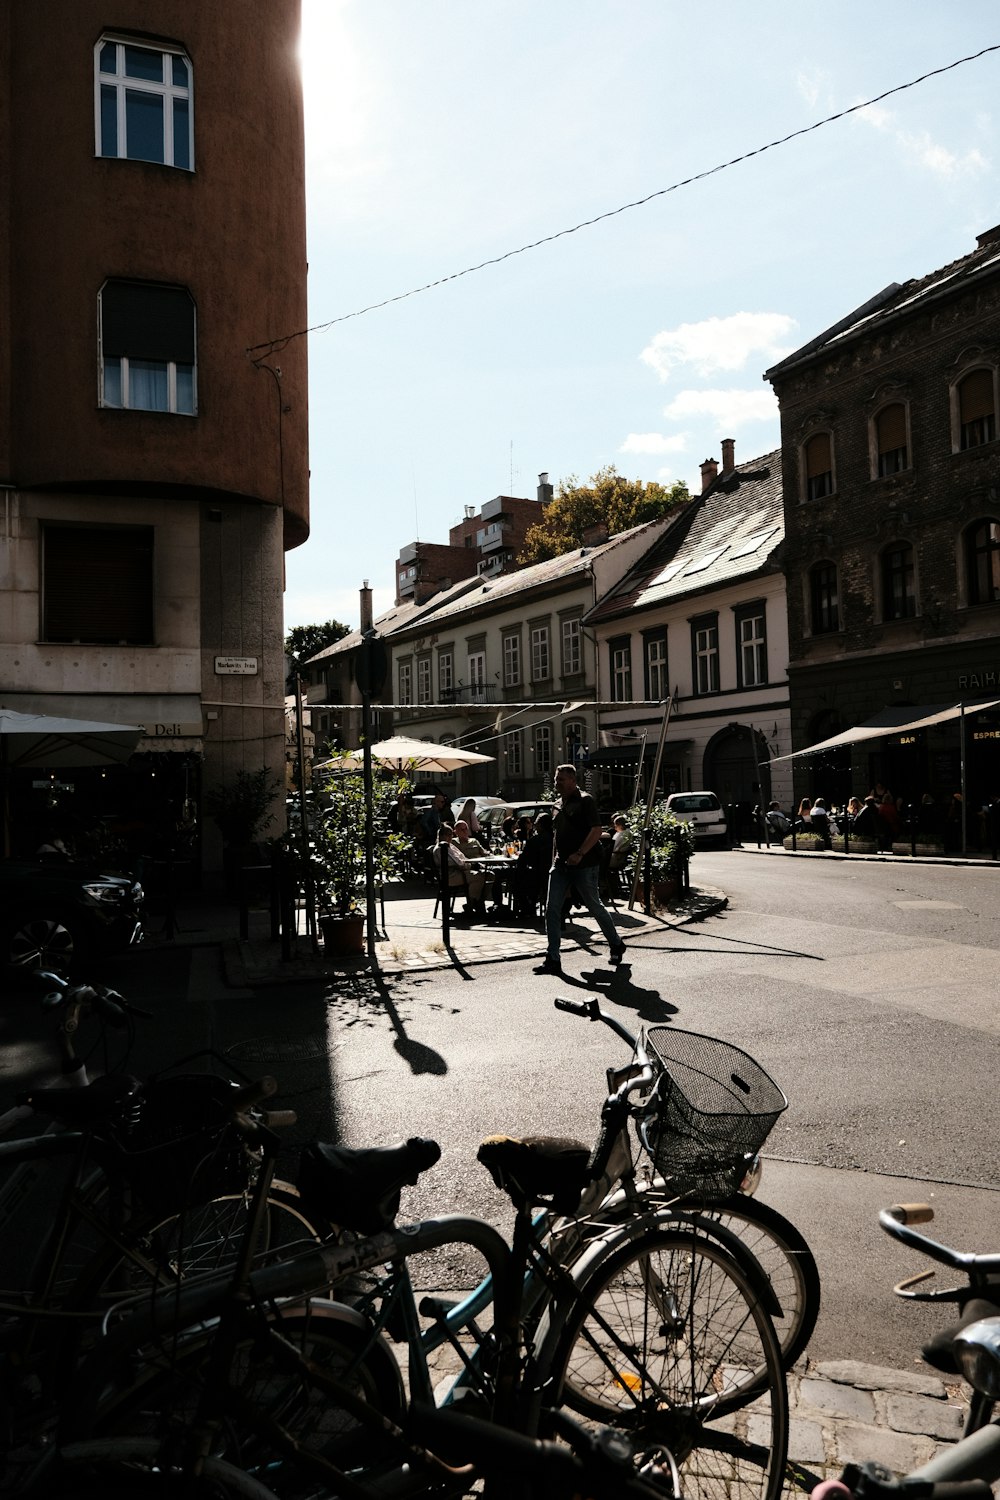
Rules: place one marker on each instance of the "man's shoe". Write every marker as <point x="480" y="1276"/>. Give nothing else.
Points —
<point x="549" y="966"/>
<point x="617" y="954"/>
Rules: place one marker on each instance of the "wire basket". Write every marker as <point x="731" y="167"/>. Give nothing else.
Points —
<point x="711" y="1110"/>
<point x="181" y="1150"/>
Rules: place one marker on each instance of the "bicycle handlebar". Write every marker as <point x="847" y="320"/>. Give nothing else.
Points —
<point x="107" y="1004"/>
<point x="592" y="1010"/>
<point x="897" y="1221"/>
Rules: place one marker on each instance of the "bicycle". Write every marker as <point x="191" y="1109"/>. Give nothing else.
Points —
<point x="686" y="1377"/>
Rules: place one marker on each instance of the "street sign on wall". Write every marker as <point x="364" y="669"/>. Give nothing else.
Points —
<point x="236" y="666"/>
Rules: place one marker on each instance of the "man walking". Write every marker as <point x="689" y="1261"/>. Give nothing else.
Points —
<point x="575" y="862"/>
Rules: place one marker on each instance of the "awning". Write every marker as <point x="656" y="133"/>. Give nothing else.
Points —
<point x="888" y="721"/>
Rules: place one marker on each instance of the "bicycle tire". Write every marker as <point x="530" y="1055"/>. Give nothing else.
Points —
<point x="127" y="1468"/>
<point x="162" y="1389"/>
<point x="679" y="1374"/>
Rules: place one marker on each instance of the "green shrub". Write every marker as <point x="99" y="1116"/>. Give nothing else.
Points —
<point x="671" y="842"/>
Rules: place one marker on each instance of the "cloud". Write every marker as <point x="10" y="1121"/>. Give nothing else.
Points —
<point x="918" y="147"/>
<point x="654" y="442"/>
<point x="719" y="343"/>
<point x="731" y="408"/>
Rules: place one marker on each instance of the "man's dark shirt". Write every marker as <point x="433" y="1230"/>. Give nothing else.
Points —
<point x="574" y="816"/>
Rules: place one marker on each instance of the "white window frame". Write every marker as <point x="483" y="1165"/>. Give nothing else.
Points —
<point x="751" y="629"/>
<point x="477" y="676"/>
<point x="424" y="679"/>
<point x="511" y="660"/>
<point x="572" y="653"/>
<point x="706" y="655"/>
<point x="165" y="89"/>
<point x="656" y="668"/>
<point x="446" y="672"/>
<point x="405" y="682"/>
<point x="512" y="749"/>
<point x="122" y="365"/>
<point x="542" y="746"/>
<point x="541" y="669"/>
<point x="621" y="673"/>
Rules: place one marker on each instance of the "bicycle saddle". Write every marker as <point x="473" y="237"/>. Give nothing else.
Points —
<point x="359" y="1187"/>
<point x="96" y="1102"/>
<point x="537" y="1169"/>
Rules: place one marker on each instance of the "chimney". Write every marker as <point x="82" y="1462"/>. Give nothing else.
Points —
<point x="544" y="491"/>
<point x="988" y="237"/>
<point x="728" y="455"/>
<point x="366" y="607"/>
<point x="595" y="534"/>
<point x="709" y="473"/>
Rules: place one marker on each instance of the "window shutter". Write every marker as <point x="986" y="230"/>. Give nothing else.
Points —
<point x="147" y="322"/>
<point x="98" y="585"/>
<point x="975" y="396"/>
<point x="892" y="428"/>
<point x="818" y="455"/>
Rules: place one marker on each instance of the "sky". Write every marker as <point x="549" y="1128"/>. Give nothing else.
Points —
<point x="444" y="133"/>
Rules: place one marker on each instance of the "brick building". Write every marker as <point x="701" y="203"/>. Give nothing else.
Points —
<point x="483" y="544"/>
<point x="891" y="477"/>
<point x="152" y="230"/>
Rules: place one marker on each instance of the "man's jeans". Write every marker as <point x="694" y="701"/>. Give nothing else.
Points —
<point x="583" y="879"/>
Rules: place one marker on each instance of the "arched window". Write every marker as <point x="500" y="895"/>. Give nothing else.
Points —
<point x="891" y="448"/>
<point x="824" y="607"/>
<point x="817" y="462"/>
<point x="982" y="562"/>
<point x="977" y="412"/>
<point x="899" y="598"/>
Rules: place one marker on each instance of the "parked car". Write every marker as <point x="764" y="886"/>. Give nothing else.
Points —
<point x="58" y="916"/>
<point x="702" y="810"/>
<point x="492" y="818"/>
<point x="483" y="805"/>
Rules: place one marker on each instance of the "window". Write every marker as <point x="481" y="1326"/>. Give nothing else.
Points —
<point x="511" y="660"/>
<point x="817" y="456"/>
<point x="405" y="682"/>
<point x="446" y="672"/>
<point x="751" y="645"/>
<point x="543" y="750"/>
<point x="512" y="751"/>
<point x="620" y="651"/>
<point x="540" y="669"/>
<point x="977" y="421"/>
<point x="143" y="103"/>
<point x="576" y="750"/>
<point x="705" y="654"/>
<point x="655" y="647"/>
<point x="982" y="561"/>
<point x="97" y="585"/>
<point x="424" y="679"/>
<point x="477" y="676"/>
<point x="572" y="661"/>
<point x="147" y="347"/>
<point x="892" y="451"/>
<point x="899" y="599"/>
<point x="824" y="612"/>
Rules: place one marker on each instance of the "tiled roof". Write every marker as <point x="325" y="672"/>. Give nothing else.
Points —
<point x="396" y="618"/>
<point x="896" y="300"/>
<point x="730" y="532"/>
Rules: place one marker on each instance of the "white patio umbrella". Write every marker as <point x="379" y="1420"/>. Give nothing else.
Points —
<point x="400" y="753"/>
<point x="47" y="740"/>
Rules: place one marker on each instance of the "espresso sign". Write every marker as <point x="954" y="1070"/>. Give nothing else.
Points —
<point x="236" y="666"/>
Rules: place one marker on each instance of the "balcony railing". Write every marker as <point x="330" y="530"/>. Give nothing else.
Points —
<point x="473" y="692"/>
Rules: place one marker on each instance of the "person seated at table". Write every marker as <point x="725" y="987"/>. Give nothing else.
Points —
<point x="468" y="815"/>
<point x="479" y="882"/>
<point x="522" y="830"/>
<point x="820" y="820"/>
<point x="530" y="876"/>
<point x="621" y="842"/>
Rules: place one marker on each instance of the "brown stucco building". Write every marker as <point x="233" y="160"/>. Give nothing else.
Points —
<point x="891" y="478"/>
<point x="152" y="232"/>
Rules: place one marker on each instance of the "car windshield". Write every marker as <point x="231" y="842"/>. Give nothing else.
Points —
<point x="696" y="802"/>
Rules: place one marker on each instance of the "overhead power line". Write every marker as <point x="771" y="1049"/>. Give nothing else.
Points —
<point x="276" y="344"/>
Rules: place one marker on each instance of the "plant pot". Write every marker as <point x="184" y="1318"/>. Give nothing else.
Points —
<point x="663" y="891"/>
<point x="343" y="936"/>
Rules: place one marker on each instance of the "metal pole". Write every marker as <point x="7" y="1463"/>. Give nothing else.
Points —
<point x="650" y="799"/>
<point x="310" y="889"/>
<point x="961" y="742"/>
<point x="366" y="766"/>
<point x="756" y="770"/>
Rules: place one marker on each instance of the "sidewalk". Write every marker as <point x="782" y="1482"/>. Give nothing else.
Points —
<point x="411" y="939"/>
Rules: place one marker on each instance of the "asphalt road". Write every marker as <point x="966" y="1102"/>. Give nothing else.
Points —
<point x="869" y="991"/>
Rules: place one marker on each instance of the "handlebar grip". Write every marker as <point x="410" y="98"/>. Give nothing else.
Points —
<point x="252" y="1093"/>
<point x="575" y="1007"/>
<point x="278" y="1119"/>
<point x="912" y="1213"/>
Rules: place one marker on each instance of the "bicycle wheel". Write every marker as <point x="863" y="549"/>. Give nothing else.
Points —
<point x="664" y="1340"/>
<point x="128" y="1469"/>
<point x="324" y="1348"/>
<point x="786" y="1260"/>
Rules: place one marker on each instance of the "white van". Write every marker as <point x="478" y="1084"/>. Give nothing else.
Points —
<point x="702" y="810"/>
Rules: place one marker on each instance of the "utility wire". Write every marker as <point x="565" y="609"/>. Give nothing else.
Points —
<point x="277" y="344"/>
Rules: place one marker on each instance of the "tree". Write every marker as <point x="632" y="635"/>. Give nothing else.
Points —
<point x="608" y="497"/>
<point x="304" y="641"/>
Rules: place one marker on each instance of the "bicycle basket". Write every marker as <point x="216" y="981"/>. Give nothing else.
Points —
<point x="182" y="1149"/>
<point x="711" y="1110"/>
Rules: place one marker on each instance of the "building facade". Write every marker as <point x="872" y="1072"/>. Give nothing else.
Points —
<point x="891" y="466"/>
<point x="699" y="625"/>
<point x="154" y="471"/>
<point x="482" y="544"/>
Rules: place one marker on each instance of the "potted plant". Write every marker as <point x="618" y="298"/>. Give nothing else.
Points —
<point x="337" y="855"/>
<point x="671" y="844"/>
<point x="240" y="810"/>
